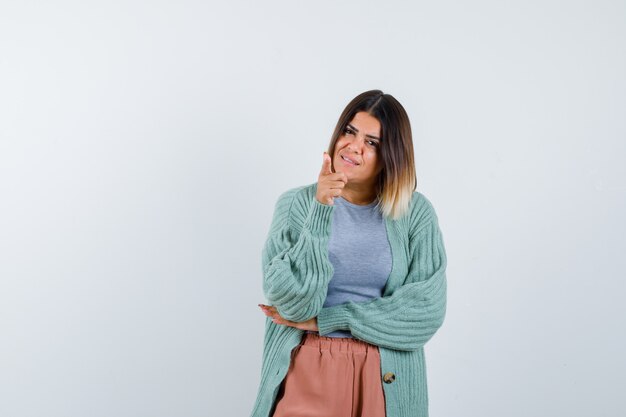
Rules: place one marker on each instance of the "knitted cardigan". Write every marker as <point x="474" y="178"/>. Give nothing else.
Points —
<point x="296" y="272"/>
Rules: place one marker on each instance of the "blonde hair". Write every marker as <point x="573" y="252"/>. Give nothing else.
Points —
<point x="397" y="181"/>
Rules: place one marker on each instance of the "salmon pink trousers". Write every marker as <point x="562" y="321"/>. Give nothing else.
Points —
<point x="332" y="377"/>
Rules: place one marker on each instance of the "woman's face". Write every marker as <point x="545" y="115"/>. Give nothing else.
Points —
<point x="359" y="142"/>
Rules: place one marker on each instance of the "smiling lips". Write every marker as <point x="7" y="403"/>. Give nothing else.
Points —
<point x="349" y="161"/>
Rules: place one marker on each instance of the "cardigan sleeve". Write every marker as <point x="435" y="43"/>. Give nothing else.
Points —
<point x="296" y="269"/>
<point x="408" y="318"/>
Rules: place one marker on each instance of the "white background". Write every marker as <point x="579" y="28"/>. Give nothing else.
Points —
<point x="143" y="146"/>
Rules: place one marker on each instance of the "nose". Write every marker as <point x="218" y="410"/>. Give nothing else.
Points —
<point x="356" y="143"/>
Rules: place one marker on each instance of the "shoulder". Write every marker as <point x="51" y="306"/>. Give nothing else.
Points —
<point x="296" y="200"/>
<point x="421" y="212"/>
<point x="300" y="193"/>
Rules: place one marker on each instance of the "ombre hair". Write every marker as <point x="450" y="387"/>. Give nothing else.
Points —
<point x="397" y="180"/>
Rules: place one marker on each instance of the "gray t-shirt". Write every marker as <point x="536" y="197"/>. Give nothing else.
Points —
<point x="359" y="251"/>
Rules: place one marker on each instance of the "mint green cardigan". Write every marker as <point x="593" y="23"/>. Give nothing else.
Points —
<point x="296" y="272"/>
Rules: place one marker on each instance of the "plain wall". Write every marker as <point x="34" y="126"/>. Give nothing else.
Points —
<point x="143" y="146"/>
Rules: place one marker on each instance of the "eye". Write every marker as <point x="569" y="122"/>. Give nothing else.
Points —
<point x="373" y="142"/>
<point x="347" y="130"/>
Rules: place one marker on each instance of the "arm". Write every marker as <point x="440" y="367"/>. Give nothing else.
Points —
<point x="408" y="318"/>
<point x="296" y="272"/>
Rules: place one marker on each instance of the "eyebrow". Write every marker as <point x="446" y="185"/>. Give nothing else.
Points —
<point x="357" y="131"/>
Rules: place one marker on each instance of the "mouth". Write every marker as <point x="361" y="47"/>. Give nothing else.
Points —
<point x="349" y="161"/>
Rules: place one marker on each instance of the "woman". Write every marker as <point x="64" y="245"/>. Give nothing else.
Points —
<point x="354" y="271"/>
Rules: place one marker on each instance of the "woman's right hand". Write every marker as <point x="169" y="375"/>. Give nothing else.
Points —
<point x="329" y="184"/>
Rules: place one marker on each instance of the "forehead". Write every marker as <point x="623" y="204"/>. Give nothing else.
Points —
<point x="366" y="123"/>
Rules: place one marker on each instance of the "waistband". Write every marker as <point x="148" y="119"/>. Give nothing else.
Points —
<point x="337" y="344"/>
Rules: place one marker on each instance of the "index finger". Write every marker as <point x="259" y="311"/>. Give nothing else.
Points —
<point x="326" y="164"/>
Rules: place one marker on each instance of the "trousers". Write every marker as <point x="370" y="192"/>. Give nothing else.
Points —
<point x="332" y="377"/>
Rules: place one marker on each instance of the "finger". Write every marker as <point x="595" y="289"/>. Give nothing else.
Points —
<point x="336" y="184"/>
<point x="339" y="176"/>
<point x="273" y="311"/>
<point x="270" y="310"/>
<point x="326" y="165"/>
<point x="271" y="315"/>
<point x="335" y="192"/>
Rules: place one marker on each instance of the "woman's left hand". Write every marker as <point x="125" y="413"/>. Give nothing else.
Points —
<point x="272" y="312"/>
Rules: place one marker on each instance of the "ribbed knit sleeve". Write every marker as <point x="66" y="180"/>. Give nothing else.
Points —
<point x="296" y="267"/>
<point x="408" y="318"/>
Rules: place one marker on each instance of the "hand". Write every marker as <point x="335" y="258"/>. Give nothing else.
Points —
<point x="271" y="311"/>
<point x="329" y="184"/>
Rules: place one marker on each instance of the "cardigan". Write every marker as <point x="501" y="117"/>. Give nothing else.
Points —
<point x="296" y="271"/>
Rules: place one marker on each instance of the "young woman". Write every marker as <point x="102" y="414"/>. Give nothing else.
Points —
<point x="354" y="272"/>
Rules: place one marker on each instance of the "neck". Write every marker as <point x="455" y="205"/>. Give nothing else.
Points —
<point x="358" y="194"/>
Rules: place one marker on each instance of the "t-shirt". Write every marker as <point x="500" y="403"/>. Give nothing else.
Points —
<point x="359" y="250"/>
